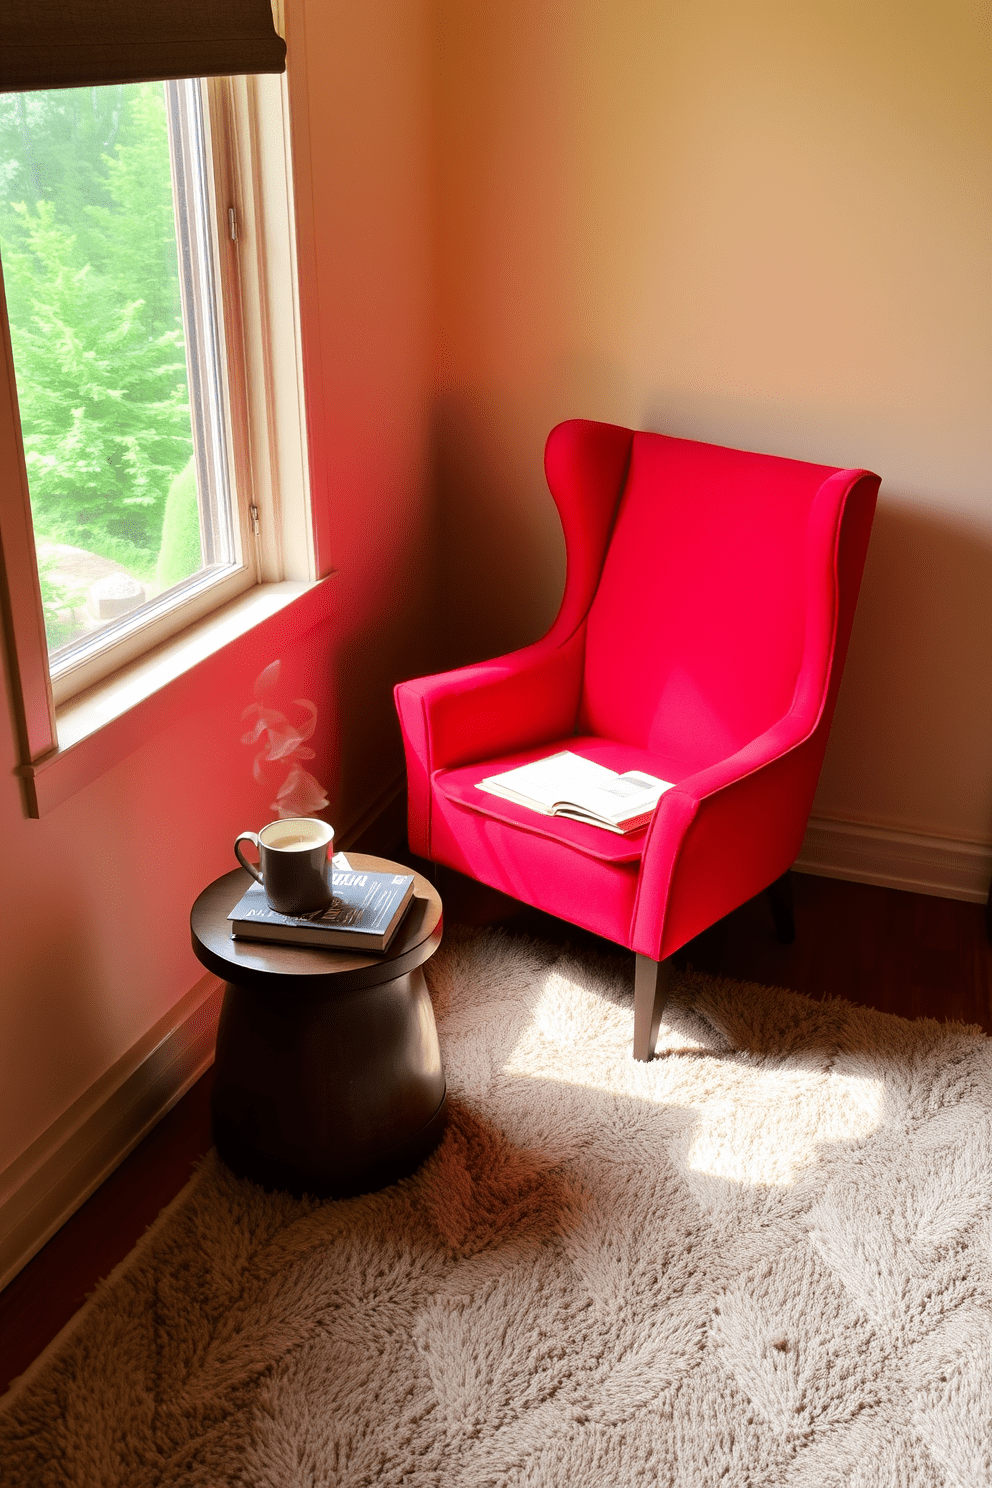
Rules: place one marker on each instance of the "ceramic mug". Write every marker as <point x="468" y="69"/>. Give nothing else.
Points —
<point x="294" y="866"/>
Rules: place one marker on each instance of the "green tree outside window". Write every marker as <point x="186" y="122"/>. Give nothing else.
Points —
<point x="88" y="241"/>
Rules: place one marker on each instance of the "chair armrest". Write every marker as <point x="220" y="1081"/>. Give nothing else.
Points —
<point x="724" y="834"/>
<point x="494" y="707"/>
<point x="482" y="711"/>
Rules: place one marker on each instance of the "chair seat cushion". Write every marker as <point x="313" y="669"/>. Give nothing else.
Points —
<point x="461" y="786"/>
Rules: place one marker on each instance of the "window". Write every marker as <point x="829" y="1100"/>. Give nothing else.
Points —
<point x="157" y="471"/>
<point x="109" y="213"/>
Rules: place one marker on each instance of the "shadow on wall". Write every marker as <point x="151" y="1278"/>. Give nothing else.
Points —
<point x="361" y="665"/>
<point x="914" y="717"/>
<point x="502" y="556"/>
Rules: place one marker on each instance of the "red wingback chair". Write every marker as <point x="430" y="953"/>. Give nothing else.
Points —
<point x="707" y="609"/>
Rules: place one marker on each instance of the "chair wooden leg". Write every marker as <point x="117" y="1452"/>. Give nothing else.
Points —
<point x="780" y="898"/>
<point x="652" y="980"/>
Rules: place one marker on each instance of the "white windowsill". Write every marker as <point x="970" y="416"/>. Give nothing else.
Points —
<point x="103" y="725"/>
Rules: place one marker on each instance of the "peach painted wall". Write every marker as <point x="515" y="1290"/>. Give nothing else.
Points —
<point x="95" y="898"/>
<point x="765" y="225"/>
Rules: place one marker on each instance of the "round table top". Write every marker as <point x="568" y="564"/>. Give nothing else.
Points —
<point x="295" y="968"/>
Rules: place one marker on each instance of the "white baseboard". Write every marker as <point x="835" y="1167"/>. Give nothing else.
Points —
<point x="59" y="1171"/>
<point x="924" y="864"/>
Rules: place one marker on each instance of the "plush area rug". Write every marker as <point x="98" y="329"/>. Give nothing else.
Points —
<point x="764" y="1258"/>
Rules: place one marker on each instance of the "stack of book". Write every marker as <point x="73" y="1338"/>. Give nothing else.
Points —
<point x="368" y="910"/>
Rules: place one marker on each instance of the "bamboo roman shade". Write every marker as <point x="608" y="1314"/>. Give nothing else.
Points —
<point x="82" y="43"/>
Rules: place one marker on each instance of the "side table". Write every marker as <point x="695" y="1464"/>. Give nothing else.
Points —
<point x="328" y="1077"/>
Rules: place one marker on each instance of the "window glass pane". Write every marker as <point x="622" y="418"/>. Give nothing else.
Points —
<point x="102" y="199"/>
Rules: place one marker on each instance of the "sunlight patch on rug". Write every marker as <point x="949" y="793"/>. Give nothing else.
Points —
<point x="760" y="1132"/>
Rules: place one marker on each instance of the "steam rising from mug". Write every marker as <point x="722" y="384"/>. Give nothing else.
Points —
<point x="283" y="746"/>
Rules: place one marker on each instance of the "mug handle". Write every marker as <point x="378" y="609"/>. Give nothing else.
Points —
<point x="247" y="837"/>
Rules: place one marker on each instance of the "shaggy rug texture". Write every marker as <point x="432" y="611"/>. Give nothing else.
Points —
<point x="764" y="1258"/>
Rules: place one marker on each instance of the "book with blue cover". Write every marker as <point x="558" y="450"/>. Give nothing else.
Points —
<point x="367" y="911"/>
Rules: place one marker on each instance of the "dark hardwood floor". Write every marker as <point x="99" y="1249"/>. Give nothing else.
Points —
<point x="902" y="953"/>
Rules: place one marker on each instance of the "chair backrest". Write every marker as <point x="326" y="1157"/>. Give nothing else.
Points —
<point x="695" y="633"/>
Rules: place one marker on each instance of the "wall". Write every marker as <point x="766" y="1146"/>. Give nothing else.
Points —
<point x="95" y="897"/>
<point x="764" y="225"/>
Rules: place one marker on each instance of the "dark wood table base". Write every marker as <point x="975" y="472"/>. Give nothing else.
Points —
<point x="328" y="1077"/>
<point x="328" y="1094"/>
<point x="281" y="1175"/>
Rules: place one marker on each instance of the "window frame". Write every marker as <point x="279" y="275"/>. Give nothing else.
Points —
<point x="250" y="132"/>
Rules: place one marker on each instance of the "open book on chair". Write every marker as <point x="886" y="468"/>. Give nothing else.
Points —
<point x="565" y="784"/>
